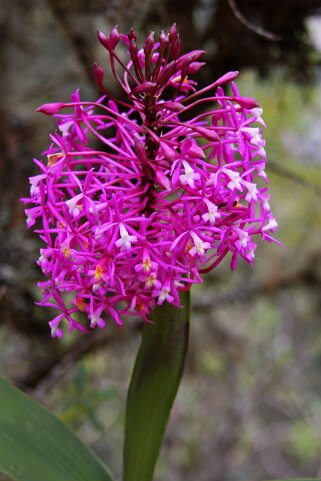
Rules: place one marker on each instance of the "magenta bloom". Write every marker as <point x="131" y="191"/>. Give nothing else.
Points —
<point x="137" y="199"/>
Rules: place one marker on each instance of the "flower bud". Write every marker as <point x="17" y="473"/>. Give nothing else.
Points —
<point x="149" y="44"/>
<point x="228" y="77"/>
<point x="114" y="37"/>
<point x="163" y="39"/>
<point x="207" y="133"/>
<point x="163" y="180"/>
<point x="104" y="40"/>
<point x="186" y="59"/>
<point x="246" y="102"/>
<point x="170" y="105"/>
<point x="98" y="76"/>
<point x="133" y="50"/>
<point x="194" y="67"/>
<point x="168" y="152"/>
<point x="50" y="109"/>
<point x="167" y="72"/>
<point x="140" y="149"/>
<point x="173" y="32"/>
<point x="132" y="35"/>
<point x="176" y="47"/>
<point x="144" y="88"/>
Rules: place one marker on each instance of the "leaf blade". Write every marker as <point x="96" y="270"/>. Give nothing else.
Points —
<point x="153" y="387"/>
<point x="37" y="446"/>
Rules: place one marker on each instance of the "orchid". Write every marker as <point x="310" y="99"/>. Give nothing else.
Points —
<point x="135" y="199"/>
<point x="139" y="198"/>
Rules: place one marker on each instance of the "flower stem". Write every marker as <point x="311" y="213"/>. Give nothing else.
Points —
<point x="153" y="387"/>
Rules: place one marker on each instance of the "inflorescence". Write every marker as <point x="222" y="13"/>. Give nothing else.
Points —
<point x="139" y="197"/>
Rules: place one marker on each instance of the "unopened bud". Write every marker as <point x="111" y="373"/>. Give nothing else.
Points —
<point x="50" y="109"/>
<point x="167" y="72"/>
<point x="188" y="58"/>
<point x="99" y="75"/>
<point x="173" y="32"/>
<point x="133" y="50"/>
<point x="104" y="40"/>
<point x="168" y="152"/>
<point x="163" y="180"/>
<point x="176" y="47"/>
<point x="149" y="43"/>
<point x="144" y="88"/>
<point x="207" y="133"/>
<point x="170" y="105"/>
<point x="246" y="102"/>
<point x="132" y="35"/>
<point x="228" y="77"/>
<point x="140" y="149"/>
<point x="114" y="37"/>
<point x="163" y="39"/>
<point x="194" y="67"/>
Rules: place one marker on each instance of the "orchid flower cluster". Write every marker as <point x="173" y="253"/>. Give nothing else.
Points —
<point x="140" y="197"/>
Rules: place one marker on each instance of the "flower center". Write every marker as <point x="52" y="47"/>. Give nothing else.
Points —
<point x="147" y="264"/>
<point x="98" y="273"/>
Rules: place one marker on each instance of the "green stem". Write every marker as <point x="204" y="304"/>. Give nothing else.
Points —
<point x="155" y="380"/>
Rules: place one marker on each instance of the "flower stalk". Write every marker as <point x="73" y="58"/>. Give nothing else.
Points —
<point x="154" y="383"/>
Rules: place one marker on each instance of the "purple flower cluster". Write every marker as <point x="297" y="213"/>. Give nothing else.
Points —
<point x="138" y="198"/>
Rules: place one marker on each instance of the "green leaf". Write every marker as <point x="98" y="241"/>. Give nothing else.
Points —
<point x="153" y="387"/>
<point x="36" y="446"/>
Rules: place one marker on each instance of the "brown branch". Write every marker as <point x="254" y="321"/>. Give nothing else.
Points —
<point x="250" y="26"/>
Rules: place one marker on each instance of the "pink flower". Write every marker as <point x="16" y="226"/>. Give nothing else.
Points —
<point x="162" y="292"/>
<point x="138" y="198"/>
<point x="189" y="177"/>
<point x="125" y="241"/>
<point x="199" y="247"/>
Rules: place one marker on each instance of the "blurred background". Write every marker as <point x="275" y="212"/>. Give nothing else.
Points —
<point x="249" y="407"/>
